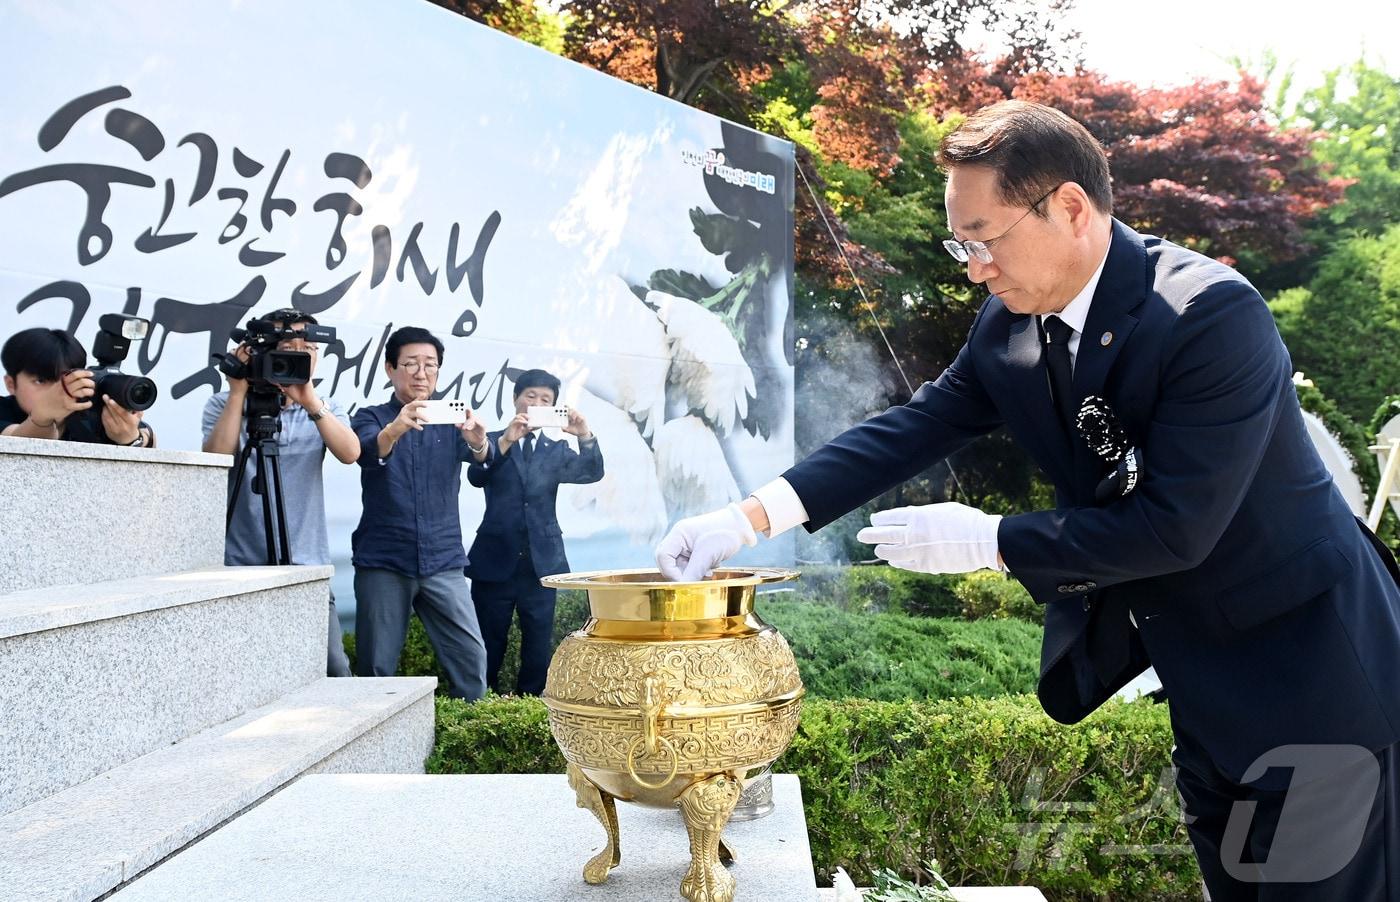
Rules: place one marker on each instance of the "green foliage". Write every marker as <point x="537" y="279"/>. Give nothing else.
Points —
<point x="891" y="589"/>
<point x="895" y="656"/>
<point x="981" y="786"/>
<point x="903" y="217"/>
<point x="784" y="104"/>
<point x="991" y="789"/>
<point x="881" y="588"/>
<point x="886" y="589"/>
<point x="993" y="596"/>
<point x="1387" y="410"/>
<point x="1358" y="108"/>
<point x="927" y="305"/>
<point x="495" y="736"/>
<point x="418" y="658"/>
<point x="890" y="887"/>
<point x="1343" y="329"/>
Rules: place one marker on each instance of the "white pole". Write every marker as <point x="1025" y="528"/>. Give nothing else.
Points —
<point x="1384" y="490"/>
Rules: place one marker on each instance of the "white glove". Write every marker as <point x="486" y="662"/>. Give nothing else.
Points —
<point x="696" y="545"/>
<point x="934" y="538"/>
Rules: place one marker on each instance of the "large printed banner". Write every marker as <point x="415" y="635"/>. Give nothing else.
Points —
<point x="389" y="163"/>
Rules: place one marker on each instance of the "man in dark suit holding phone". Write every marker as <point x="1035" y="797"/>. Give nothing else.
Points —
<point x="1217" y="549"/>
<point x="519" y="539"/>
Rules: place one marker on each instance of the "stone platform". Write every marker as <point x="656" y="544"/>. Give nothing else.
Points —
<point x="82" y="842"/>
<point x="496" y="837"/>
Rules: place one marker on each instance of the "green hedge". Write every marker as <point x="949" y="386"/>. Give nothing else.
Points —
<point x="890" y="657"/>
<point x="1343" y="328"/>
<point x="991" y="596"/>
<point x="992" y="788"/>
<point x="841" y="654"/>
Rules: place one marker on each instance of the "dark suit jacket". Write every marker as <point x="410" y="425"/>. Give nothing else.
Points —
<point x="520" y="504"/>
<point x="1262" y="602"/>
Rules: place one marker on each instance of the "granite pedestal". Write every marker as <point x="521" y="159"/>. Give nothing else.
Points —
<point x="478" y="838"/>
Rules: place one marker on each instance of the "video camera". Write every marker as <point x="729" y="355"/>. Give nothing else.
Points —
<point x="267" y="371"/>
<point x="268" y="367"/>
<point x="115" y="332"/>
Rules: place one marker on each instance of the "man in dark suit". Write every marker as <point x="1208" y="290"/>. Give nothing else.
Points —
<point x="1221" y="552"/>
<point x="519" y="539"/>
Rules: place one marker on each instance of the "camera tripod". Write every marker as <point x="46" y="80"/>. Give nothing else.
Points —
<point x="262" y="423"/>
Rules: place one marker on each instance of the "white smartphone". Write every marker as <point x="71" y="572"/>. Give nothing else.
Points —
<point x="556" y="417"/>
<point x="443" y="412"/>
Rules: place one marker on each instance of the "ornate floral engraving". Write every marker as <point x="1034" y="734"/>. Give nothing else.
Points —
<point x="706" y="743"/>
<point x="709" y="672"/>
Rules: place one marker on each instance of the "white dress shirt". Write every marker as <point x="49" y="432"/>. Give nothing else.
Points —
<point x="1076" y="313"/>
<point x="780" y="501"/>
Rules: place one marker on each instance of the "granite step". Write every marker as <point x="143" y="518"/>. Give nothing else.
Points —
<point x="81" y="513"/>
<point x="87" y="840"/>
<point x="93" y="676"/>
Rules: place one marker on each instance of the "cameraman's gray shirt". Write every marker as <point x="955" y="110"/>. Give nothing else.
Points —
<point x="302" y="451"/>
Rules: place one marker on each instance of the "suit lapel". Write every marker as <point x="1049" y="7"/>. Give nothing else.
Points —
<point x="1122" y="288"/>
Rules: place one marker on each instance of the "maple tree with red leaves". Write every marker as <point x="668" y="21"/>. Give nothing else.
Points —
<point x="865" y="56"/>
<point x="1202" y="164"/>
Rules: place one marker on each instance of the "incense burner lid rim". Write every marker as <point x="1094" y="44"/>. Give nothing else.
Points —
<point x="641" y="578"/>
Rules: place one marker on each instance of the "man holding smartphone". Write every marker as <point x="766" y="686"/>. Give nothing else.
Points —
<point x="519" y="539"/>
<point x="407" y="550"/>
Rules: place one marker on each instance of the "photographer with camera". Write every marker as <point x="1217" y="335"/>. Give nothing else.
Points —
<point x="519" y="538"/>
<point x="53" y="395"/>
<point x="408" y="547"/>
<point x="309" y="426"/>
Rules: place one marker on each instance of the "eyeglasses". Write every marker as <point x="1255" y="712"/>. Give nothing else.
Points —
<point x="412" y="367"/>
<point x="982" y="250"/>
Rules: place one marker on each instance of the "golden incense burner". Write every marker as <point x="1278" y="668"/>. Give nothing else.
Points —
<point x="674" y="694"/>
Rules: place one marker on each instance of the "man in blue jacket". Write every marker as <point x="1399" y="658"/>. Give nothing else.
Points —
<point x="407" y="550"/>
<point x="519" y="539"/>
<point x="1221" y="552"/>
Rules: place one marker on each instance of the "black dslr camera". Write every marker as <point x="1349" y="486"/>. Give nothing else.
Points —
<point x="267" y="367"/>
<point x="114" y="334"/>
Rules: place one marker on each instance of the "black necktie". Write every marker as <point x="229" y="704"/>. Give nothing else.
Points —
<point x="1057" y="333"/>
<point x="527" y="447"/>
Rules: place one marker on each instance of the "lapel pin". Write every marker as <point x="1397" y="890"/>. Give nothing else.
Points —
<point x="1106" y="339"/>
